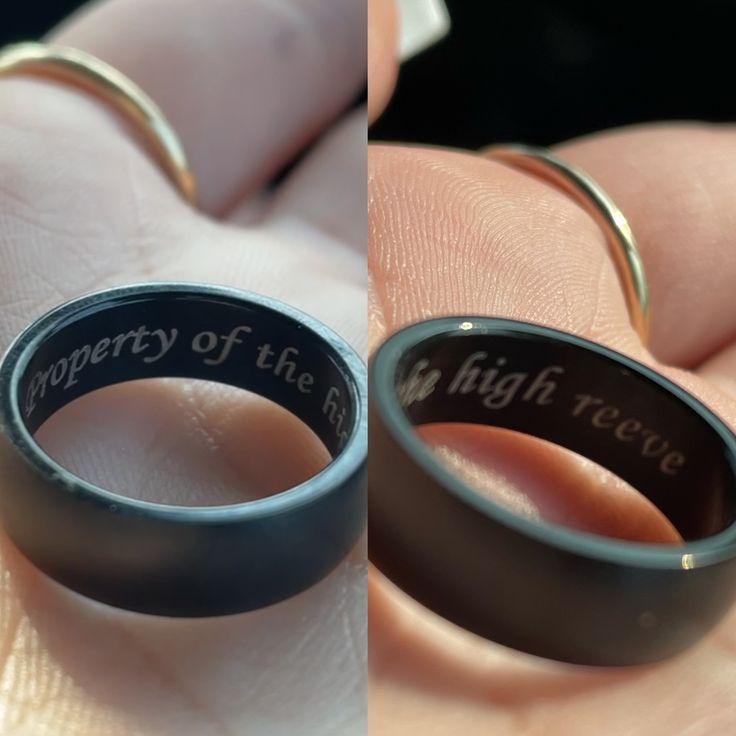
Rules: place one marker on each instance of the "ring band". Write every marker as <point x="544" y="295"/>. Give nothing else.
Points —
<point x="171" y="560"/>
<point x="594" y="200"/>
<point x="93" y="75"/>
<point x="533" y="585"/>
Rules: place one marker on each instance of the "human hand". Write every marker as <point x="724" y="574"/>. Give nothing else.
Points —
<point x="453" y="233"/>
<point x="248" y="86"/>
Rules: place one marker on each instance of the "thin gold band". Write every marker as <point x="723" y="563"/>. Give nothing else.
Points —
<point x="594" y="200"/>
<point x="92" y="75"/>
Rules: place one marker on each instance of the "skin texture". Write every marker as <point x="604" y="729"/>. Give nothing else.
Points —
<point x="453" y="233"/>
<point x="248" y="85"/>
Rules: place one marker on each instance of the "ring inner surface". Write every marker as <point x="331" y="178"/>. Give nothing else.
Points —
<point x="585" y="402"/>
<point x="183" y="335"/>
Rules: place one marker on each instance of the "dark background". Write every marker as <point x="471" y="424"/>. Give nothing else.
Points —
<point x="542" y="72"/>
<point x="27" y="20"/>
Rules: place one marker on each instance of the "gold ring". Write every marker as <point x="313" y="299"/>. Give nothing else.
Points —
<point x="87" y="72"/>
<point x="594" y="200"/>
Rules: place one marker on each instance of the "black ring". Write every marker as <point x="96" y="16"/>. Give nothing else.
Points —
<point x="171" y="560"/>
<point x="536" y="586"/>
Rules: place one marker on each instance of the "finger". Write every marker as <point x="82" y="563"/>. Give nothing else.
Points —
<point x="81" y="206"/>
<point x="181" y="443"/>
<point x="450" y="234"/>
<point x="245" y="84"/>
<point x="327" y="191"/>
<point x="454" y="234"/>
<point x="674" y="184"/>
<point x="720" y="370"/>
<point x="383" y="48"/>
<point x="558" y="486"/>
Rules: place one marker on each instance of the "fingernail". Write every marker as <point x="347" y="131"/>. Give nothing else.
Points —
<point x="422" y="24"/>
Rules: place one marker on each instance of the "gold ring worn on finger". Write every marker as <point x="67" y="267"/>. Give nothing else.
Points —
<point x="87" y="72"/>
<point x="594" y="200"/>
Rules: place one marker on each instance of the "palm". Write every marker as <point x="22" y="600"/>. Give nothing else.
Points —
<point x="82" y="208"/>
<point x="473" y="237"/>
